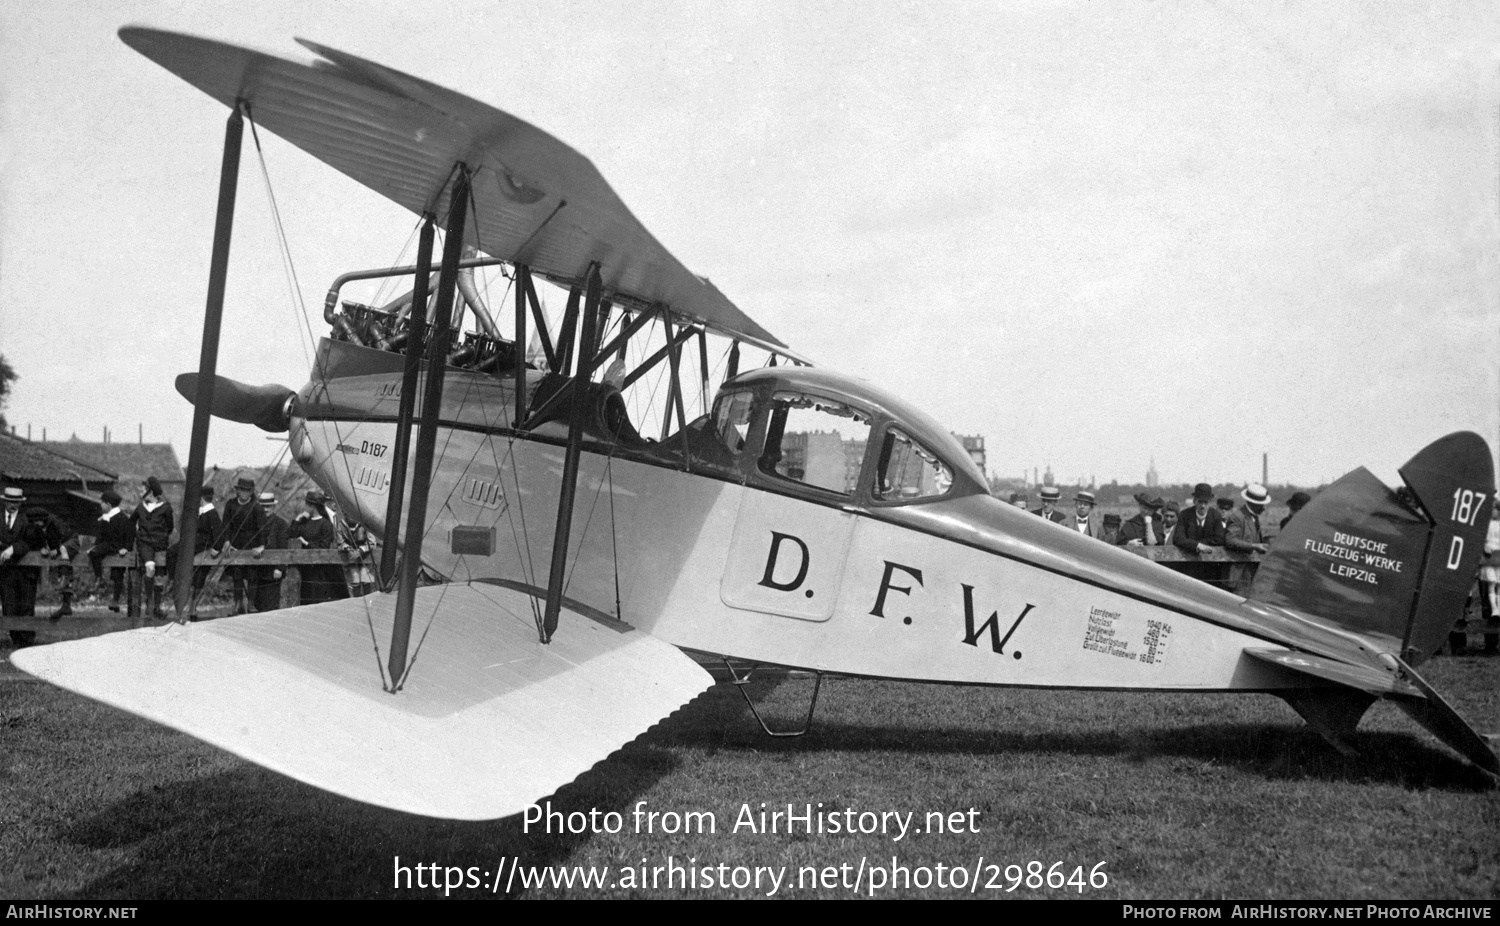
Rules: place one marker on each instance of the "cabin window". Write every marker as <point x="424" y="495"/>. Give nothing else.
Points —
<point x="815" y="441"/>
<point x="908" y="470"/>
<point x="732" y="420"/>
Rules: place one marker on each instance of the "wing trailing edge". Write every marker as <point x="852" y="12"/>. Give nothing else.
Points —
<point x="489" y="721"/>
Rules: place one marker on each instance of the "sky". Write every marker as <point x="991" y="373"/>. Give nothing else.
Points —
<point x="1099" y="235"/>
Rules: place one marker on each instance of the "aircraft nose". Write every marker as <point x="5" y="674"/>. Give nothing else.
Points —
<point x="300" y="445"/>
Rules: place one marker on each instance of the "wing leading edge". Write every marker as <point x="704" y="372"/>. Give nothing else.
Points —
<point x="489" y="722"/>
<point x="537" y="201"/>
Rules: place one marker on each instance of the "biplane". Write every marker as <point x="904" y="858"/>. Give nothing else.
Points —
<point x="555" y="553"/>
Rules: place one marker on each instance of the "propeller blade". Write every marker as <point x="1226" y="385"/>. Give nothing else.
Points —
<point x="263" y="406"/>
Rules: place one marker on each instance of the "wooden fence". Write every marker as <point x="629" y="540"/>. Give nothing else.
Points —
<point x="84" y="577"/>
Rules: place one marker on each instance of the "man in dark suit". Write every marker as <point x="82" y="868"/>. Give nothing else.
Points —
<point x="244" y="529"/>
<point x="1295" y="504"/>
<point x="1050" y="497"/>
<point x="1199" y="528"/>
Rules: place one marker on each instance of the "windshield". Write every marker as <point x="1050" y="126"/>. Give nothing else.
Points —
<point x="815" y="441"/>
<point x="908" y="470"/>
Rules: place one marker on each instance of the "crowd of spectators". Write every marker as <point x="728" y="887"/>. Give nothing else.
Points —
<point x="248" y="522"/>
<point x="1205" y="524"/>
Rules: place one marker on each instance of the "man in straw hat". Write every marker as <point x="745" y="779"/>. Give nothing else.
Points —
<point x="17" y="583"/>
<point x="1051" y="495"/>
<point x="1243" y="534"/>
<point x="274" y="536"/>
<point x="1084" y="520"/>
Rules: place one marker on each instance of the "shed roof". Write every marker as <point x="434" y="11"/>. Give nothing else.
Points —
<point x="28" y="461"/>
<point x="158" y="460"/>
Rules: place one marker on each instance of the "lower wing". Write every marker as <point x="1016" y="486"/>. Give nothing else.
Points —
<point x="488" y="722"/>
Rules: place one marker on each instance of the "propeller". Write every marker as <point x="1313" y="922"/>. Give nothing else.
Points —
<point x="266" y="406"/>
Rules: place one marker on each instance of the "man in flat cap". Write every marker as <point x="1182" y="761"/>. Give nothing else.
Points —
<point x="1145" y="528"/>
<point x="1200" y="529"/>
<point x="1018" y="500"/>
<point x="1051" y="495"/>
<point x="1243" y="534"/>
<point x="1083" y="519"/>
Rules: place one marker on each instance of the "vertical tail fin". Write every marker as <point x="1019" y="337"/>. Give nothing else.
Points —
<point x="1385" y="564"/>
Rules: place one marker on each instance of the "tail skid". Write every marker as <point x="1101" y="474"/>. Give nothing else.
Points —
<point x="1335" y="709"/>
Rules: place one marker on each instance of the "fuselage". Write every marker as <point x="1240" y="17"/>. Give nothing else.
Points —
<point x="713" y="541"/>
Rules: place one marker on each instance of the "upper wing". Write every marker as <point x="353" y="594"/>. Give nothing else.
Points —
<point x="489" y="722"/>
<point x="537" y="201"/>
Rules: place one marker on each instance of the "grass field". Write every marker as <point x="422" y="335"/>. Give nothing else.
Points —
<point x="1179" y="796"/>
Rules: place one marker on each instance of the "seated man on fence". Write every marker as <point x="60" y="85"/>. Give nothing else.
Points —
<point x="54" y="540"/>
<point x="114" y="535"/>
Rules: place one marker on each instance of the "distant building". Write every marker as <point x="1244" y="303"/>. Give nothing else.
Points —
<point x="130" y="464"/>
<point x="820" y="455"/>
<point x="854" y="461"/>
<point x="974" y="444"/>
<point x="66" y="486"/>
<point x="1152" y="480"/>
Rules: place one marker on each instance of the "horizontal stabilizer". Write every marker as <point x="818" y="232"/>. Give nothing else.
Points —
<point x="489" y="720"/>
<point x="1361" y="678"/>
